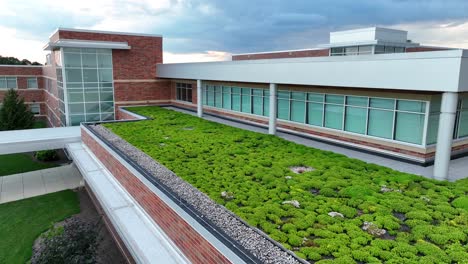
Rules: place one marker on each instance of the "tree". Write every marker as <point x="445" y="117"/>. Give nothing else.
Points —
<point x="16" y="61"/>
<point x="14" y="113"/>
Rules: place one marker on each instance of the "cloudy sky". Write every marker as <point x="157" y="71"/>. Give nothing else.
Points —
<point x="204" y="30"/>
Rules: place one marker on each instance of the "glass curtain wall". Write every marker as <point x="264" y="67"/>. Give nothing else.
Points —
<point x="89" y="84"/>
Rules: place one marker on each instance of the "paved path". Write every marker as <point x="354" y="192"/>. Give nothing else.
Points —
<point x="458" y="167"/>
<point x="34" y="183"/>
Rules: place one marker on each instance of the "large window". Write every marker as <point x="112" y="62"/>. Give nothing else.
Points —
<point x="89" y="91"/>
<point x="8" y="82"/>
<point x="32" y="83"/>
<point x="184" y="92"/>
<point x="241" y="99"/>
<point x="387" y="118"/>
<point x="461" y="126"/>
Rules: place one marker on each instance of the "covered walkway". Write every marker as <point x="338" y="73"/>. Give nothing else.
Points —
<point x="458" y="167"/>
<point x="20" y="141"/>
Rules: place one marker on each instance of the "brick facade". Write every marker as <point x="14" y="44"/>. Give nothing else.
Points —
<point x="138" y="63"/>
<point x="194" y="246"/>
<point x="142" y="91"/>
<point x="285" y="54"/>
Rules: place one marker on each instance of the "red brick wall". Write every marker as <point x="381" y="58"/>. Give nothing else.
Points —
<point x="142" y="91"/>
<point x="196" y="248"/>
<point x="137" y="63"/>
<point x="21" y="70"/>
<point x="285" y="54"/>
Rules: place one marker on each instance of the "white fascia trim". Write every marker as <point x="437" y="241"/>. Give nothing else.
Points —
<point x="105" y="32"/>
<point x="276" y="51"/>
<point x="143" y="238"/>
<point x="74" y="43"/>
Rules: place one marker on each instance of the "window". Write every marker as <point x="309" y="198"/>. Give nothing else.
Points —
<point x="8" y="82"/>
<point x="351" y="50"/>
<point x="89" y="85"/>
<point x="184" y="92"/>
<point x="32" y="83"/>
<point x="409" y="122"/>
<point x="283" y="105"/>
<point x="35" y="108"/>
<point x="298" y="107"/>
<point x="385" y="118"/>
<point x="462" y="126"/>
<point x="356" y="114"/>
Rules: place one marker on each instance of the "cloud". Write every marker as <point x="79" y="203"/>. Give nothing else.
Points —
<point x="195" y="26"/>
<point x="169" y="57"/>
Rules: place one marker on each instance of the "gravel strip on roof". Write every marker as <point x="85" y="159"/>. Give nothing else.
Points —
<point x="252" y="239"/>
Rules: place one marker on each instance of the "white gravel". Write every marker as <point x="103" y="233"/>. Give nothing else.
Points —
<point x="252" y="239"/>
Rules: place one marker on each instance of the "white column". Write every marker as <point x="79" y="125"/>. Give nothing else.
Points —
<point x="199" y="98"/>
<point x="448" y="112"/>
<point x="273" y="110"/>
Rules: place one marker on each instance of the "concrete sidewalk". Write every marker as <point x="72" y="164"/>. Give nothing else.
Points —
<point x="458" y="167"/>
<point x="34" y="183"/>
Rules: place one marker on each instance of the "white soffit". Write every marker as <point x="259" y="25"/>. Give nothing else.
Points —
<point x="71" y="43"/>
<point x="418" y="71"/>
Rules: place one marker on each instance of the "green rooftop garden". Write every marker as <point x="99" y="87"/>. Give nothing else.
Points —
<point x="324" y="206"/>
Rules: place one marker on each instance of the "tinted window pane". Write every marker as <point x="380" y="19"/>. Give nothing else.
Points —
<point x="334" y="116"/>
<point x="356" y="100"/>
<point x="315" y="114"/>
<point x="355" y="120"/>
<point x="316" y="97"/>
<point x="335" y="99"/>
<point x="226" y="100"/>
<point x="257" y="106"/>
<point x="283" y="109"/>
<point x="236" y="102"/>
<point x="380" y="123"/>
<point x="298" y="111"/>
<point x="411" y="106"/>
<point x="382" y="103"/>
<point x="89" y="60"/>
<point x="409" y="127"/>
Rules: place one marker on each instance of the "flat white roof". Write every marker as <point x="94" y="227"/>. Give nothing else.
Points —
<point x="419" y="71"/>
<point x="76" y="43"/>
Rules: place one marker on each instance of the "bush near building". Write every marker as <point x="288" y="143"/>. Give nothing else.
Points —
<point x="319" y="213"/>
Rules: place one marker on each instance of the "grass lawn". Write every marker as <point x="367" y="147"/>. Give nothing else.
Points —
<point x="21" y="222"/>
<point x="19" y="163"/>
<point x="426" y="220"/>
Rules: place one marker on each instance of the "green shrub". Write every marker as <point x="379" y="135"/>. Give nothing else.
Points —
<point x="77" y="243"/>
<point x="47" y="155"/>
<point x="295" y="240"/>
<point x="461" y="202"/>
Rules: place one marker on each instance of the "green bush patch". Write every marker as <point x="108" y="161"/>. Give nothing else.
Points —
<point x="423" y="218"/>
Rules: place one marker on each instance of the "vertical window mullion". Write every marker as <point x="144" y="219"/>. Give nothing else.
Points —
<point x="394" y="118"/>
